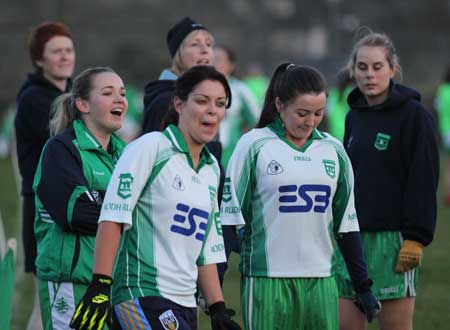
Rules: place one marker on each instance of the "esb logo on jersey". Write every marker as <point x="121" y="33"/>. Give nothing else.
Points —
<point x="197" y="221"/>
<point x="304" y="198"/>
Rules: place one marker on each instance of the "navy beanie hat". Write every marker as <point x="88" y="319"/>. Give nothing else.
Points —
<point x="179" y="31"/>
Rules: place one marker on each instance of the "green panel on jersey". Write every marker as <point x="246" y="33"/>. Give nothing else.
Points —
<point x="343" y="190"/>
<point x="258" y="257"/>
<point x="144" y="242"/>
<point x="341" y="195"/>
<point x="253" y="248"/>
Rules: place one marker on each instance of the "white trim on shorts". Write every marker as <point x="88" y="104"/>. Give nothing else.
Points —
<point x="62" y="294"/>
<point x="250" y="304"/>
<point x="410" y="290"/>
<point x="409" y="278"/>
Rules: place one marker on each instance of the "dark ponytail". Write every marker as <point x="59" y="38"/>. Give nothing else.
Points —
<point x="289" y="81"/>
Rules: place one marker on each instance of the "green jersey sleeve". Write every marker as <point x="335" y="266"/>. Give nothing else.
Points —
<point x="239" y="184"/>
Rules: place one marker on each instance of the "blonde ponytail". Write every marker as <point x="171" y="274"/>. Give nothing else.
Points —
<point x="63" y="113"/>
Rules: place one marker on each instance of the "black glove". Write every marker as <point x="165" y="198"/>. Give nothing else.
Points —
<point x="367" y="304"/>
<point x="202" y="303"/>
<point x="94" y="309"/>
<point x="221" y="317"/>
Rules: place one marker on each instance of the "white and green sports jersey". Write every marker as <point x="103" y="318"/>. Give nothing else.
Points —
<point x="290" y="200"/>
<point x="242" y="113"/>
<point x="171" y="218"/>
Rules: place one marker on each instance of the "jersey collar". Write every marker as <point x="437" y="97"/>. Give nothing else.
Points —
<point x="176" y="138"/>
<point x="87" y="141"/>
<point x="278" y="128"/>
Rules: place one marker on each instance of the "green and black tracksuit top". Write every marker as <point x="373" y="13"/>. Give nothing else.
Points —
<point x="71" y="178"/>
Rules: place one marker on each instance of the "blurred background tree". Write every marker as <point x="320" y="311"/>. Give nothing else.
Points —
<point x="130" y="35"/>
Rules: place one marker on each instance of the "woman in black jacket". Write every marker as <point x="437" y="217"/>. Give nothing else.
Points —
<point x="391" y="140"/>
<point x="189" y="44"/>
<point x="53" y="57"/>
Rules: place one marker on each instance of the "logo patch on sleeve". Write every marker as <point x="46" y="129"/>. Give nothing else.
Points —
<point x="218" y="223"/>
<point x="125" y="181"/>
<point x="226" y="195"/>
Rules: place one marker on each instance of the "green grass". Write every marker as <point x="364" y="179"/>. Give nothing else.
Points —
<point x="432" y="303"/>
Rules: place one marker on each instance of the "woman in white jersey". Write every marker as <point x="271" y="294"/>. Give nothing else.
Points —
<point x="291" y="187"/>
<point x="160" y="215"/>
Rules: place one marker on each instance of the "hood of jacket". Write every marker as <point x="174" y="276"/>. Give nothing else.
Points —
<point x="398" y="95"/>
<point x="37" y="80"/>
<point x="156" y="88"/>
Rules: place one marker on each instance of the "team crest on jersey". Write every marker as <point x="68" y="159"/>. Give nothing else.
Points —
<point x="330" y="167"/>
<point x="212" y="195"/>
<point x="382" y="141"/>
<point x="169" y="320"/>
<point x="125" y="181"/>
<point x="226" y="195"/>
<point x="178" y="183"/>
<point x="217" y="223"/>
<point x="274" y="168"/>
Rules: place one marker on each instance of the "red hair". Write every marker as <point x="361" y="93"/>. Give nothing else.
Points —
<point x="41" y="34"/>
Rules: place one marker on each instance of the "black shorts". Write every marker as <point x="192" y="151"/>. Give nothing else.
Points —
<point x="154" y="313"/>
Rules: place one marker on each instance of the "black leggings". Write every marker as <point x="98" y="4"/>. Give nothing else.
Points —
<point x="28" y="238"/>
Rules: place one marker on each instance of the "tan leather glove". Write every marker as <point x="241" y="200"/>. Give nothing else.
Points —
<point x="409" y="256"/>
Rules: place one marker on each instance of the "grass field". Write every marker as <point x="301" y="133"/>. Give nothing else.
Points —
<point x="432" y="305"/>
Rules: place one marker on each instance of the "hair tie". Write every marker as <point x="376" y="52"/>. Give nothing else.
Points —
<point x="290" y="66"/>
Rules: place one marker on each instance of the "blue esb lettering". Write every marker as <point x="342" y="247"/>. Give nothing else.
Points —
<point x="314" y="197"/>
<point x="197" y="221"/>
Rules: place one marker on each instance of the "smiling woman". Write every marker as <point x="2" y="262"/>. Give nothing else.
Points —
<point x="57" y="60"/>
<point x="189" y="44"/>
<point x="70" y="181"/>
